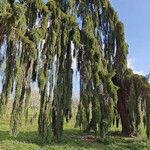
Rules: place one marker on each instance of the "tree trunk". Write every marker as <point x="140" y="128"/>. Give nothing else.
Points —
<point x="123" y="112"/>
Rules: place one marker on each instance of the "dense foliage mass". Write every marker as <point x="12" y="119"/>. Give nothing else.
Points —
<point x="40" y="39"/>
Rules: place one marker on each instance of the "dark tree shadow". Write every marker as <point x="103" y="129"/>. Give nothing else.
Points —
<point x="71" y="137"/>
<point x="27" y="137"/>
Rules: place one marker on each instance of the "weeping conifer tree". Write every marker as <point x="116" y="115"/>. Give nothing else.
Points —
<point x="38" y="40"/>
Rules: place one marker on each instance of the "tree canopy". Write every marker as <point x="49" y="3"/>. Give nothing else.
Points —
<point x="40" y="40"/>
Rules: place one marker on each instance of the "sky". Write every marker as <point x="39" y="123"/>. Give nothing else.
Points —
<point x="135" y="14"/>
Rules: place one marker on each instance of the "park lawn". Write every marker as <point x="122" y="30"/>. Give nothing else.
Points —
<point x="72" y="139"/>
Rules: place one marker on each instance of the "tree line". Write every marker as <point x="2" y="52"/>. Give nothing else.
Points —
<point x="38" y="38"/>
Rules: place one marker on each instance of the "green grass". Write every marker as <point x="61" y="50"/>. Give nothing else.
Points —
<point x="28" y="139"/>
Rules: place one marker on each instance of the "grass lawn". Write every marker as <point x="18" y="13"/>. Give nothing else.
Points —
<point x="72" y="139"/>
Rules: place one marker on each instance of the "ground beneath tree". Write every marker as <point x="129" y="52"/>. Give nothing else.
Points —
<point x="72" y="139"/>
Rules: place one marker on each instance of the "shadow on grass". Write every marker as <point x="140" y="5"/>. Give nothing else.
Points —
<point x="117" y="141"/>
<point x="27" y="137"/>
<point x="72" y="139"/>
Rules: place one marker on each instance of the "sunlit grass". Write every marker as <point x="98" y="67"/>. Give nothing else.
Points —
<point x="28" y="139"/>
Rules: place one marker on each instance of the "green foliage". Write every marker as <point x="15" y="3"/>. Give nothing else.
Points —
<point x="39" y="39"/>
